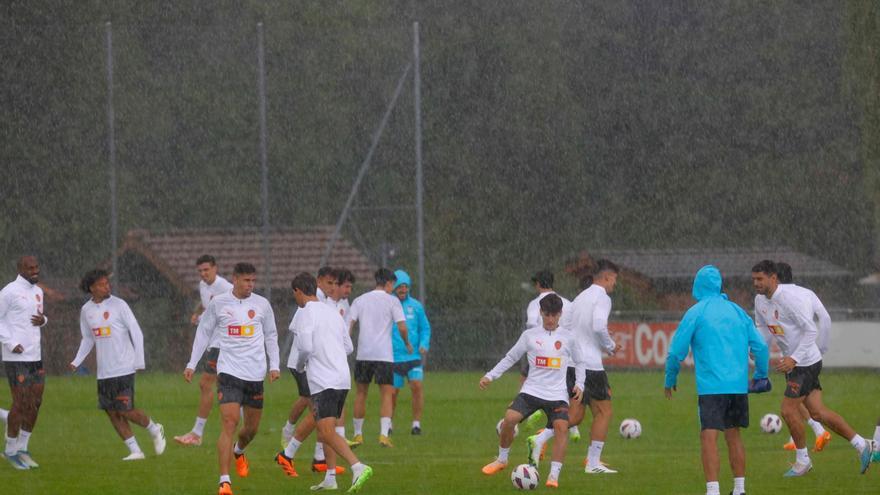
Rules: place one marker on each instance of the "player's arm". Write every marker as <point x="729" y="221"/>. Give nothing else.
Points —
<point x="424" y="331"/>
<point x="398" y="317"/>
<point x="511" y="358"/>
<point x="137" y="338"/>
<point x="678" y="349"/>
<point x="346" y="340"/>
<point x="824" y="324"/>
<point x="5" y="334"/>
<point x="207" y="327"/>
<point x="802" y="314"/>
<point x="270" y="339"/>
<point x="600" y="326"/>
<point x="194" y="319"/>
<point x="757" y="346"/>
<point x="580" y="371"/>
<point x="305" y="337"/>
<point x="762" y="326"/>
<point x="353" y="315"/>
<point x="85" y="345"/>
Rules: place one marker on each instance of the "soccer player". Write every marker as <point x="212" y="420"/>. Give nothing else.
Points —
<point x="790" y="319"/>
<point x="721" y="335"/>
<point x="21" y="317"/>
<point x="409" y="365"/>
<point x="374" y="313"/>
<point x="210" y="286"/>
<point x="344" y="283"/>
<point x="108" y="325"/>
<point x="823" y="322"/>
<point x="326" y="283"/>
<point x="323" y="345"/>
<point x="550" y="350"/>
<point x="589" y="322"/>
<point x="245" y="323"/>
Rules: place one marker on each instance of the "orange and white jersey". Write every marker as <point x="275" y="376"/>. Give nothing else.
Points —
<point x="19" y="301"/>
<point x="111" y="327"/>
<point x="549" y="354"/>
<point x="246" y="333"/>
<point x="788" y="317"/>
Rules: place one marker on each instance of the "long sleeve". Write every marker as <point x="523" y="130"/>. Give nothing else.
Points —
<point x="763" y="329"/>
<point x="680" y="345"/>
<point x="347" y="344"/>
<point x="87" y="342"/>
<point x="513" y="355"/>
<point x="758" y="347"/>
<point x="580" y="372"/>
<point x="207" y="327"/>
<point x="5" y="334"/>
<point x="305" y="344"/>
<point x="270" y="336"/>
<point x="824" y="324"/>
<point x="424" y="330"/>
<point x="600" y="324"/>
<point x="137" y="338"/>
<point x="801" y="312"/>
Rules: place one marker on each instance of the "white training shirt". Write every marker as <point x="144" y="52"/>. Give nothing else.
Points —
<point x="820" y="316"/>
<point x="247" y="333"/>
<point x="112" y="328"/>
<point x="321" y="296"/>
<point x="20" y="300"/>
<point x="533" y="310"/>
<point x="788" y="316"/>
<point x="323" y="344"/>
<point x="549" y="354"/>
<point x="293" y="356"/>
<point x="208" y="292"/>
<point x="376" y="312"/>
<point x="343" y="307"/>
<point x="589" y="322"/>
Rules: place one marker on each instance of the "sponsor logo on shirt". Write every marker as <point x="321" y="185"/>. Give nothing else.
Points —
<point x="240" y="330"/>
<point x="251" y="314"/>
<point x="101" y="331"/>
<point x="776" y="329"/>
<point x="558" y="345"/>
<point x="548" y="362"/>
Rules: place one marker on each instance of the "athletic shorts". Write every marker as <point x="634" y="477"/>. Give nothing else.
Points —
<point x="328" y="403"/>
<point x="570" y="380"/>
<point x="117" y="393"/>
<point x="409" y="370"/>
<point x="596" y="386"/>
<point x="25" y="373"/>
<point x="365" y="371"/>
<point x="526" y="404"/>
<point x="231" y="389"/>
<point x="723" y="411"/>
<point x="209" y="361"/>
<point x="302" y="382"/>
<point x="802" y="380"/>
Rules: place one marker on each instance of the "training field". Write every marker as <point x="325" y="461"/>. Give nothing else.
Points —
<point x="79" y="452"/>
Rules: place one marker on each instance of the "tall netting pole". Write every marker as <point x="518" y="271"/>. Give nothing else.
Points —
<point x="111" y="147"/>
<point x="420" y="187"/>
<point x="261" y="82"/>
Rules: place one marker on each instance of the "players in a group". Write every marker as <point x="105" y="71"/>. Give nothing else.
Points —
<point x="374" y="313"/>
<point x="323" y="342"/>
<point x="721" y="335"/>
<point x="108" y="325"/>
<point x="550" y="350"/>
<point x="588" y="320"/>
<point x="410" y="365"/>
<point x="789" y="318"/>
<point x="21" y="317"/>
<point x="210" y="286"/>
<point x="245" y="324"/>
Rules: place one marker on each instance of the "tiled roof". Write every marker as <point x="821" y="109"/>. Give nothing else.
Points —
<point x="733" y="262"/>
<point x="291" y="251"/>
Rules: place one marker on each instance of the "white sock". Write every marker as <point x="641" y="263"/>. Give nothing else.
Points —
<point x="357" y="468"/>
<point x="417" y="424"/>
<point x="292" y="447"/>
<point x="594" y="453"/>
<point x="801" y="456"/>
<point x="739" y="486"/>
<point x="340" y="430"/>
<point x="23" y="438"/>
<point x="11" y="445"/>
<point x="199" y="427"/>
<point x="132" y="445"/>
<point x="877" y="437"/>
<point x="546" y="434"/>
<point x="790" y="439"/>
<point x="330" y="476"/>
<point x="574" y="430"/>
<point x="288" y="428"/>
<point x="237" y="450"/>
<point x="713" y="488"/>
<point x="319" y="451"/>
<point x="503" y="454"/>
<point x="555" y="468"/>
<point x="3" y="414"/>
<point x="857" y="441"/>
<point x="817" y="427"/>
<point x="224" y="478"/>
<point x="384" y="426"/>
<point x="358" y="424"/>
<point x="153" y="428"/>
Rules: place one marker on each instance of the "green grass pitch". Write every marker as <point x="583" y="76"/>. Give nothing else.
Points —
<point x="80" y="453"/>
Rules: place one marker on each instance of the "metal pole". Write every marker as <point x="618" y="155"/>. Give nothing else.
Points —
<point x="261" y="83"/>
<point x="111" y="146"/>
<point x="420" y="186"/>
<point x="365" y="165"/>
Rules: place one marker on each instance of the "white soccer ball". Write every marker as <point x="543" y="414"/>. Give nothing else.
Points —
<point x="630" y="428"/>
<point x="498" y="428"/>
<point x="524" y="477"/>
<point x="771" y="423"/>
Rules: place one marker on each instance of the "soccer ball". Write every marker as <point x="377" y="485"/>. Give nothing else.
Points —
<point x="498" y="428"/>
<point x="771" y="423"/>
<point x="630" y="428"/>
<point x="524" y="477"/>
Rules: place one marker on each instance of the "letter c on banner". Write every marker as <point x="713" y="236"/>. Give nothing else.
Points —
<point x="643" y="352"/>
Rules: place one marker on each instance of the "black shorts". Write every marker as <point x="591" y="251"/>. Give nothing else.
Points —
<point x="25" y="373"/>
<point x="117" y="393"/>
<point x="526" y="405"/>
<point x="802" y="380"/>
<point x="231" y="389"/>
<point x="524" y="366"/>
<point x="364" y="371"/>
<point x="596" y="386"/>
<point x="405" y="367"/>
<point x="328" y="403"/>
<point x="209" y="361"/>
<point x="723" y="411"/>
<point x="570" y="381"/>
<point x="302" y="382"/>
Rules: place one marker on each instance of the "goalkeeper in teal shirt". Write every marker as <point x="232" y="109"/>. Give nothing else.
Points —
<point x="409" y="366"/>
<point x="721" y="335"/>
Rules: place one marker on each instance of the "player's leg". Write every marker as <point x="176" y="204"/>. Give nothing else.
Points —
<point x="836" y="423"/>
<point x="363" y="375"/>
<point x="736" y="453"/>
<point x="521" y="407"/>
<point x="207" y="387"/>
<point x="560" y="441"/>
<point x="418" y="400"/>
<point x="156" y="430"/>
<point x="229" y="418"/>
<point x="385" y="380"/>
<point x="710" y="459"/>
<point x="875" y="457"/>
<point x="798" y="383"/>
<point x="822" y="436"/>
<point x="327" y="406"/>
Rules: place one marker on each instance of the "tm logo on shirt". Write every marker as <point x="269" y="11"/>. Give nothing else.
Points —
<point x="776" y="329"/>
<point x="548" y="362"/>
<point x="101" y="331"/>
<point x="240" y="330"/>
